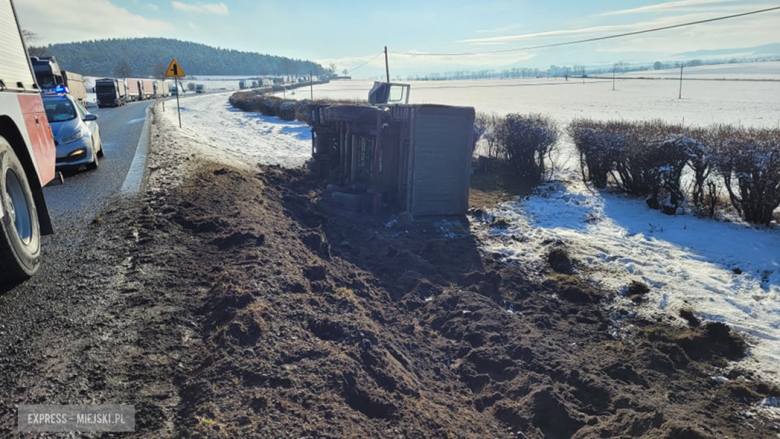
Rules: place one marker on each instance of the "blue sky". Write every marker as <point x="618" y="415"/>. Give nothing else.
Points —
<point x="349" y="32"/>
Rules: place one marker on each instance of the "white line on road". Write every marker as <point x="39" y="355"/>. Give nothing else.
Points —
<point x="135" y="175"/>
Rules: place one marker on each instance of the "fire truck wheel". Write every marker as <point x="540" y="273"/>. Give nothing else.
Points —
<point x="20" y="233"/>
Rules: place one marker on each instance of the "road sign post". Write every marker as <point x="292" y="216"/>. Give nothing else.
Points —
<point x="174" y="71"/>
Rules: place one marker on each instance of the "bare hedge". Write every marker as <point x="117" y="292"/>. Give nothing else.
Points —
<point x="648" y="159"/>
<point x="524" y="142"/>
<point x="285" y="109"/>
<point x="748" y="160"/>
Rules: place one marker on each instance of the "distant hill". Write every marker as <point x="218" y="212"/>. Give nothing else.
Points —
<point x="742" y="52"/>
<point x="100" y="58"/>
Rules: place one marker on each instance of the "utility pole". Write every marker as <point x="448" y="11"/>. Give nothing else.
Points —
<point x="311" y="84"/>
<point x="387" y="66"/>
<point x="178" y="92"/>
<point x="614" y="68"/>
<point x="682" y="64"/>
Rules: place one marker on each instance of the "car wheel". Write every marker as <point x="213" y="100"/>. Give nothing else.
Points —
<point x="101" y="153"/>
<point x="95" y="160"/>
<point x="20" y="233"/>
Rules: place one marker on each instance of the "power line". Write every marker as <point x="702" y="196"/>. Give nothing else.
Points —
<point x="375" y="57"/>
<point x="588" y="40"/>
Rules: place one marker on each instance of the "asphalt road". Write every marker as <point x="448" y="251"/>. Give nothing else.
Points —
<point x="82" y="196"/>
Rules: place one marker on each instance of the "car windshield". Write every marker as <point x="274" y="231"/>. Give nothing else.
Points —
<point x="60" y="110"/>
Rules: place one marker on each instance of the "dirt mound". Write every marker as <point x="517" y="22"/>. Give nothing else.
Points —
<point x="315" y="322"/>
<point x="366" y="330"/>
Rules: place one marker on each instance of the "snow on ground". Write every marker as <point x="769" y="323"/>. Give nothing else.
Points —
<point x="231" y="136"/>
<point x="723" y="271"/>
<point x="685" y="260"/>
<point x="752" y="71"/>
<point x="747" y="103"/>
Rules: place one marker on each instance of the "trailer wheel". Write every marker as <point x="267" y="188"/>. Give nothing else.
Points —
<point x="20" y="233"/>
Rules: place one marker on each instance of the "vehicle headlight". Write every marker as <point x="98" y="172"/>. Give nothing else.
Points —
<point x="73" y="137"/>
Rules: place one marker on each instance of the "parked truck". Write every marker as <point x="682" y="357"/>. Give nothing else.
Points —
<point x="110" y="92"/>
<point x="49" y="76"/>
<point x="147" y="88"/>
<point x="27" y="156"/>
<point x="161" y="89"/>
<point x="199" y="88"/>
<point x="134" y="92"/>
<point x="75" y="86"/>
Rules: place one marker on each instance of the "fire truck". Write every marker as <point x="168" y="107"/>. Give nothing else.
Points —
<point x="27" y="156"/>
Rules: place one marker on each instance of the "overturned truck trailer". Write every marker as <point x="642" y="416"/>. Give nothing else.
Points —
<point x="413" y="158"/>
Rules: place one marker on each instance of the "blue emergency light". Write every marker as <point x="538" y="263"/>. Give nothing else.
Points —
<point x="60" y="89"/>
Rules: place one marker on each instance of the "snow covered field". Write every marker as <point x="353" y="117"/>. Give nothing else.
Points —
<point x="704" y="102"/>
<point x="723" y="271"/>
<point x="749" y="71"/>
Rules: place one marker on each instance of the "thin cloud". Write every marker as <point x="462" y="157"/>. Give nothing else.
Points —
<point x="499" y="30"/>
<point x="552" y="33"/>
<point x="597" y="30"/>
<point x="211" y="8"/>
<point x="435" y="62"/>
<point x="38" y="16"/>
<point x="734" y="35"/>
<point x="668" y="6"/>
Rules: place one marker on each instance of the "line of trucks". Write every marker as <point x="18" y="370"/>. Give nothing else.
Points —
<point x="110" y="92"/>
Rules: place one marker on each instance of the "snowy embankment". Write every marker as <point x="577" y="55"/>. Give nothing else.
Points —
<point x="723" y="271"/>
<point x="228" y="135"/>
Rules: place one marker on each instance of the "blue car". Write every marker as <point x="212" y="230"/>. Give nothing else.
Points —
<point x="76" y="132"/>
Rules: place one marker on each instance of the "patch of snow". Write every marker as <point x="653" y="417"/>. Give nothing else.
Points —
<point x="231" y="136"/>
<point x="686" y="261"/>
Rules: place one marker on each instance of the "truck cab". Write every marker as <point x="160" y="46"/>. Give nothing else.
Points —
<point x="47" y="72"/>
<point x="389" y="93"/>
<point x="27" y="156"/>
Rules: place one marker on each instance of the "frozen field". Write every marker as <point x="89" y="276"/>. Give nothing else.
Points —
<point x="740" y="71"/>
<point x="703" y="103"/>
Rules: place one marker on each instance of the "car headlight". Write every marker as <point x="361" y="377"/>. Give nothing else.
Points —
<point x="73" y="137"/>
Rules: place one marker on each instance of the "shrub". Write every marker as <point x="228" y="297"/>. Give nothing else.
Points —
<point x="664" y="157"/>
<point x="749" y="162"/>
<point x="645" y="158"/>
<point x="527" y="142"/>
<point x="700" y="163"/>
<point x="286" y="110"/>
<point x="598" y="147"/>
<point x="487" y="124"/>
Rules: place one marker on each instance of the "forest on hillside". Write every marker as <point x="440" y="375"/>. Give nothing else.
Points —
<point x="128" y="57"/>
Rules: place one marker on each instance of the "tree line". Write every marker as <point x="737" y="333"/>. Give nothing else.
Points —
<point x="145" y="56"/>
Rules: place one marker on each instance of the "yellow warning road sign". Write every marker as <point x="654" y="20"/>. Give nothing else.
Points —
<point x="174" y="71"/>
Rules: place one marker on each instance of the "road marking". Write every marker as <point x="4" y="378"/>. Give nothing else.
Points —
<point x="135" y="175"/>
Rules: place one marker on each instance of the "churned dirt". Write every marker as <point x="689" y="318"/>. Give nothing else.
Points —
<point x="241" y="303"/>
